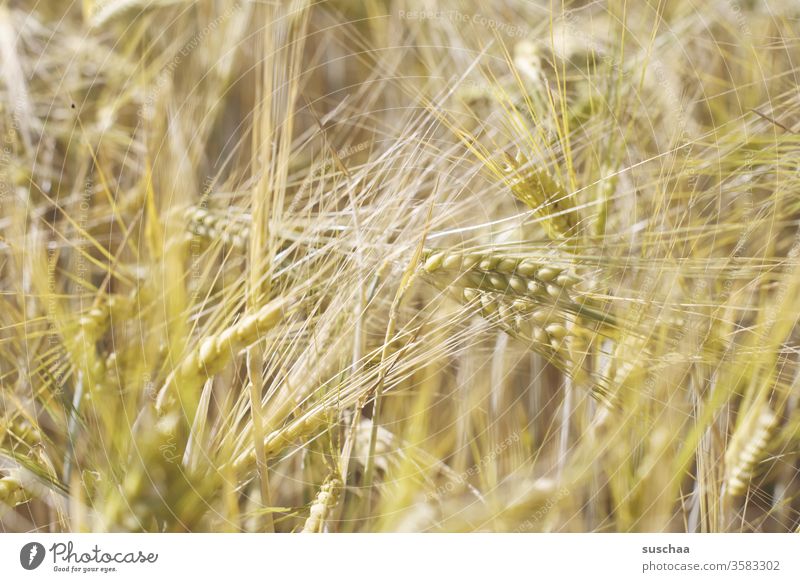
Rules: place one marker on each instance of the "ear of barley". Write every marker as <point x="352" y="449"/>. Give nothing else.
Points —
<point x="541" y="192"/>
<point x="550" y="283"/>
<point x="305" y="425"/>
<point x="325" y="501"/>
<point x="626" y="370"/>
<point x="544" y="328"/>
<point x="20" y="430"/>
<point x="11" y="491"/>
<point x="532" y="300"/>
<point x="215" y="351"/>
<point x="748" y="448"/>
<point x="212" y="226"/>
<point x="503" y="274"/>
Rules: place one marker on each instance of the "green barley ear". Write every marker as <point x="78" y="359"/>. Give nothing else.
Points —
<point x="11" y="491"/>
<point x="552" y="204"/>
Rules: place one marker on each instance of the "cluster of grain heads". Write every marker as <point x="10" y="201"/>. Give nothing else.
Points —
<point x="212" y="226"/>
<point x="164" y="432"/>
<point x="748" y="448"/>
<point x="539" y="190"/>
<point x="323" y="504"/>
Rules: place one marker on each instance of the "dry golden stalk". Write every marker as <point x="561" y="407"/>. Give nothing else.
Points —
<point x="747" y="449"/>
<point x="326" y="500"/>
<point x="549" y="200"/>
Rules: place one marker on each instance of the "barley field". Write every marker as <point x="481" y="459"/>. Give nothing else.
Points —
<point x="378" y="266"/>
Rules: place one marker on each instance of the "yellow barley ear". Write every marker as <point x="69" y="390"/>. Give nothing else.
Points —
<point x="552" y="204"/>
<point x="748" y="448"/>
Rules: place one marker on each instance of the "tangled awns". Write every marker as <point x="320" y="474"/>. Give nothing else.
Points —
<point x="342" y="266"/>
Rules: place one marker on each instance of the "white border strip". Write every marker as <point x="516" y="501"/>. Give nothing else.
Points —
<point x="406" y="557"/>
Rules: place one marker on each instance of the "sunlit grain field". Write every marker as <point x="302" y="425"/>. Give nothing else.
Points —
<point x="519" y="266"/>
